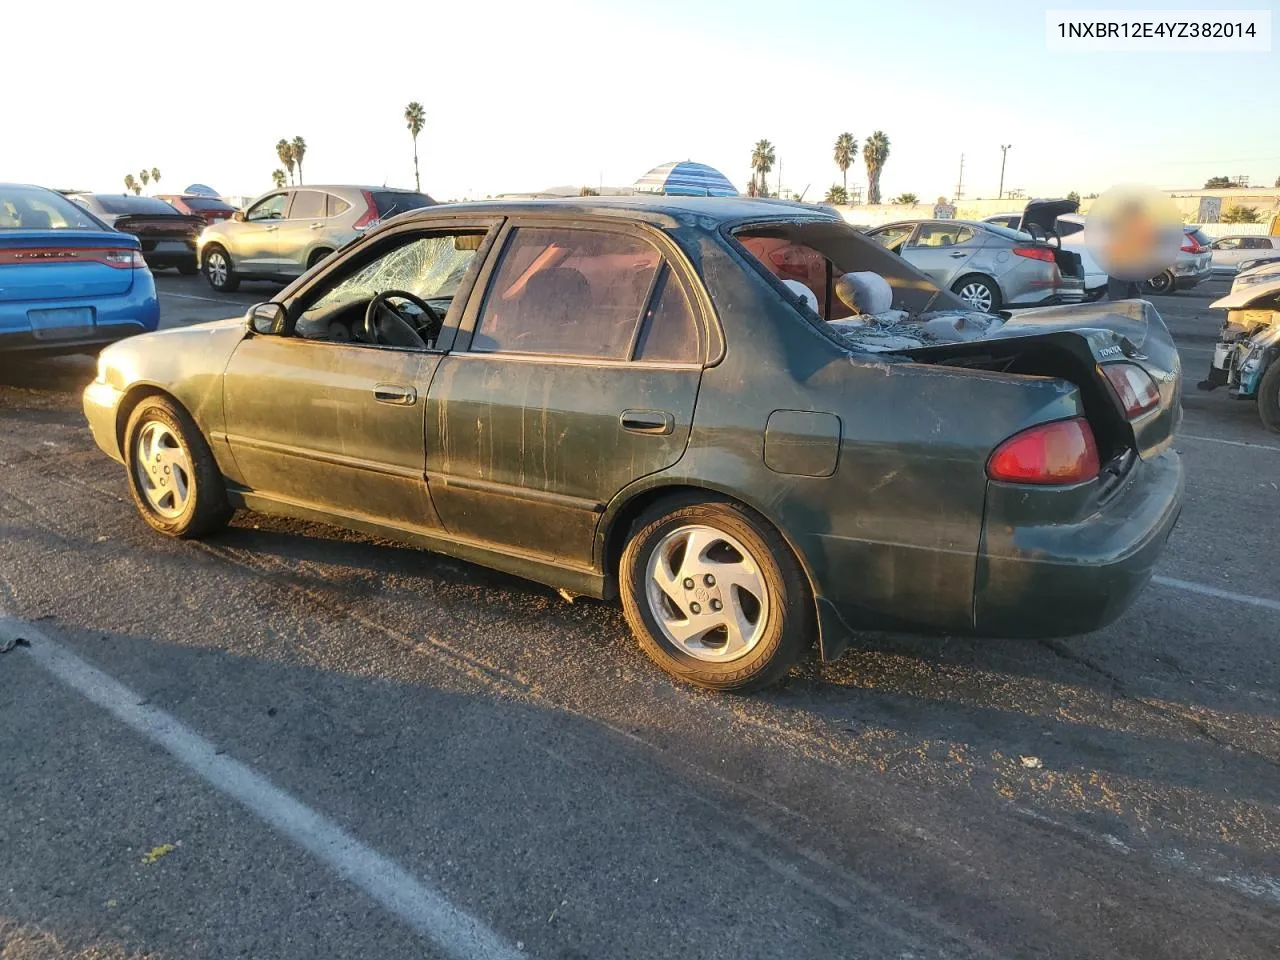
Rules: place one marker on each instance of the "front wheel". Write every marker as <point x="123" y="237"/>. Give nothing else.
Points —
<point x="219" y="271"/>
<point x="173" y="478"/>
<point x="1269" y="397"/>
<point x="1161" y="283"/>
<point x="714" y="595"/>
<point x="981" y="293"/>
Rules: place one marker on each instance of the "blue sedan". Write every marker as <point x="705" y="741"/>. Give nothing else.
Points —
<point x="68" y="282"/>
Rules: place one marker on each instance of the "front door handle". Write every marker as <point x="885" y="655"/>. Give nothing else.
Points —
<point x="959" y="253"/>
<point x="316" y="226"/>
<point x="395" y="393"/>
<point x="647" y="421"/>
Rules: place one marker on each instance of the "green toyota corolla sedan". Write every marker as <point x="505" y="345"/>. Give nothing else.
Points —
<point x="752" y="424"/>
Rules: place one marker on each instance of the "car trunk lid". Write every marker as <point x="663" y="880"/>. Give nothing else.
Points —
<point x="1075" y="343"/>
<point x="61" y="264"/>
<point x="156" y="229"/>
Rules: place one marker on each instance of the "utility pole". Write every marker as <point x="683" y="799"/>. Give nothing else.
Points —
<point x="1004" y="155"/>
<point x="779" y="193"/>
<point x="960" y="182"/>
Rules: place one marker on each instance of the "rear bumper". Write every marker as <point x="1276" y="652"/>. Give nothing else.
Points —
<point x="1188" y="275"/>
<point x="1063" y="579"/>
<point x="114" y="318"/>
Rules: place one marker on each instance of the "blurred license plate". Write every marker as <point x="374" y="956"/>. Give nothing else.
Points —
<point x="171" y="246"/>
<point x="64" y="324"/>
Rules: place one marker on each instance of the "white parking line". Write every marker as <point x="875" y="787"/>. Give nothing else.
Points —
<point x="1230" y="443"/>
<point x="188" y="296"/>
<point x="1207" y="591"/>
<point x="424" y="909"/>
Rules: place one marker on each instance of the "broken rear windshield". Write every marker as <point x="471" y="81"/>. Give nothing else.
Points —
<point x="818" y="252"/>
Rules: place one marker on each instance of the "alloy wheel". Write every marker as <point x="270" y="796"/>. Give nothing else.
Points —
<point x="707" y="593"/>
<point x="163" y="469"/>
<point x="977" y="295"/>
<point x="216" y="265"/>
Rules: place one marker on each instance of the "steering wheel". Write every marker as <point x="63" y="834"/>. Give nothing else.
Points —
<point x="384" y="324"/>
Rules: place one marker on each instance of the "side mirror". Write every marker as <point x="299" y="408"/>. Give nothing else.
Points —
<point x="266" y="318"/>
<point x="238" y="216"/>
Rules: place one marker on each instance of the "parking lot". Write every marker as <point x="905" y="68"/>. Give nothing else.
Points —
<point x="290" y="741"/>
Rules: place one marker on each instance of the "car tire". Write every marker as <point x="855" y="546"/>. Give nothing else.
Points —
<point x="690" y="632"/>
<point x="1269" y="397"/>
<point x="219" y="271"/>
<point x="189" y="268"/>
<point x="1161" y="283"/>
<point x="173" y="477"/>
<point x="977" y="290"/>
<point x="317" y="256"/>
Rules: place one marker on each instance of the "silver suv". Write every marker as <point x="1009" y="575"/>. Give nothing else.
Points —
<point x="286" y="232"/>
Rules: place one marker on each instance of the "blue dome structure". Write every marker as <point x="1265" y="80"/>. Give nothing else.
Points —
<point x="684" y="178"/>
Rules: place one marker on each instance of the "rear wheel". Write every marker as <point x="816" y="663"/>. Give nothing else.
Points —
<point x="219" y="271"/>
<point x="174" y="480"/>
<point x="1161" y="283"/>
<point x="981" y="293"/>
<point x="1269" y="396"/>
<point x="714" y="595"/>
<point x="316" y="257"/>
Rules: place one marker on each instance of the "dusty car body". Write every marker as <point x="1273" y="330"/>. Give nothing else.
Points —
<point x="680" y="432"/>
<point x="1246" y="359"/>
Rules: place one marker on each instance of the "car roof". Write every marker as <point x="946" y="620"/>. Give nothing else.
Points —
<point x="640" y="206"/>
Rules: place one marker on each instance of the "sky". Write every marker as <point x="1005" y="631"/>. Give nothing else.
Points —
<point x="523" y="96"/>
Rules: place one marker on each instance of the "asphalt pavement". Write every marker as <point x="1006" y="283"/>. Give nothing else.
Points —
<point x="291" y="742"/>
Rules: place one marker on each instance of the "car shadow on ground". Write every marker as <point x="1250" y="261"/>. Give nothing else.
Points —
<point x="900" y="693"/>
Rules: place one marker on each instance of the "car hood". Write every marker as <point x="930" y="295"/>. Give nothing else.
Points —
<point x="1253" y="295"/>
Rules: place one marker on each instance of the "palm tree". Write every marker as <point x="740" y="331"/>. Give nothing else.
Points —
<point x="763" y="158"/>
<point x="846" y="153"/>
<point x="145" y="177"/>
<point x="415" y="118"/>
<point x="131" y="184"/>
<point x="836" y="193"/>
<point x="155" y="176"/>
<point x="299" y="151"/>
<point x="906" y="199"/>
<point x="874" y="154"/>
<point x="277" y="177"/>
<point x="284" y="150"/>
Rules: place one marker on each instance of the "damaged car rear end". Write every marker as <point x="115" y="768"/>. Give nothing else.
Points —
<point x="1019" y="483"/>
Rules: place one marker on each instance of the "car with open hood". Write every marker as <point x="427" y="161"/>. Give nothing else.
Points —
<point x="630" y="397"/>
<point x="1246" y="359"/>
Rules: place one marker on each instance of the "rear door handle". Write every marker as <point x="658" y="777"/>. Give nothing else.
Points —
<point x="316" y="226"/>
<point x="395" y="393"/>
<point x="959" y="253"/>
<point x="647" y="421"/>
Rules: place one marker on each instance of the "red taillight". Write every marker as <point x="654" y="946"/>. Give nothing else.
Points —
<point x="1133" y="385"/>
<point x="124" y="259"/>
<point x="370" y="217"/>
<point x="1191" y="245"/>
<point x="1061" y="452"/>
<point x="1035" y="253"/>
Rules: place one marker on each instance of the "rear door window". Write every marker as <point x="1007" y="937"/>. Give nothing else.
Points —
<point x="567" y="292"/>
<point x="307" y="205"/>
<point x="1256" y="243"/>
<point x="670" y="331"/>
<point x="946" y="234"/>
